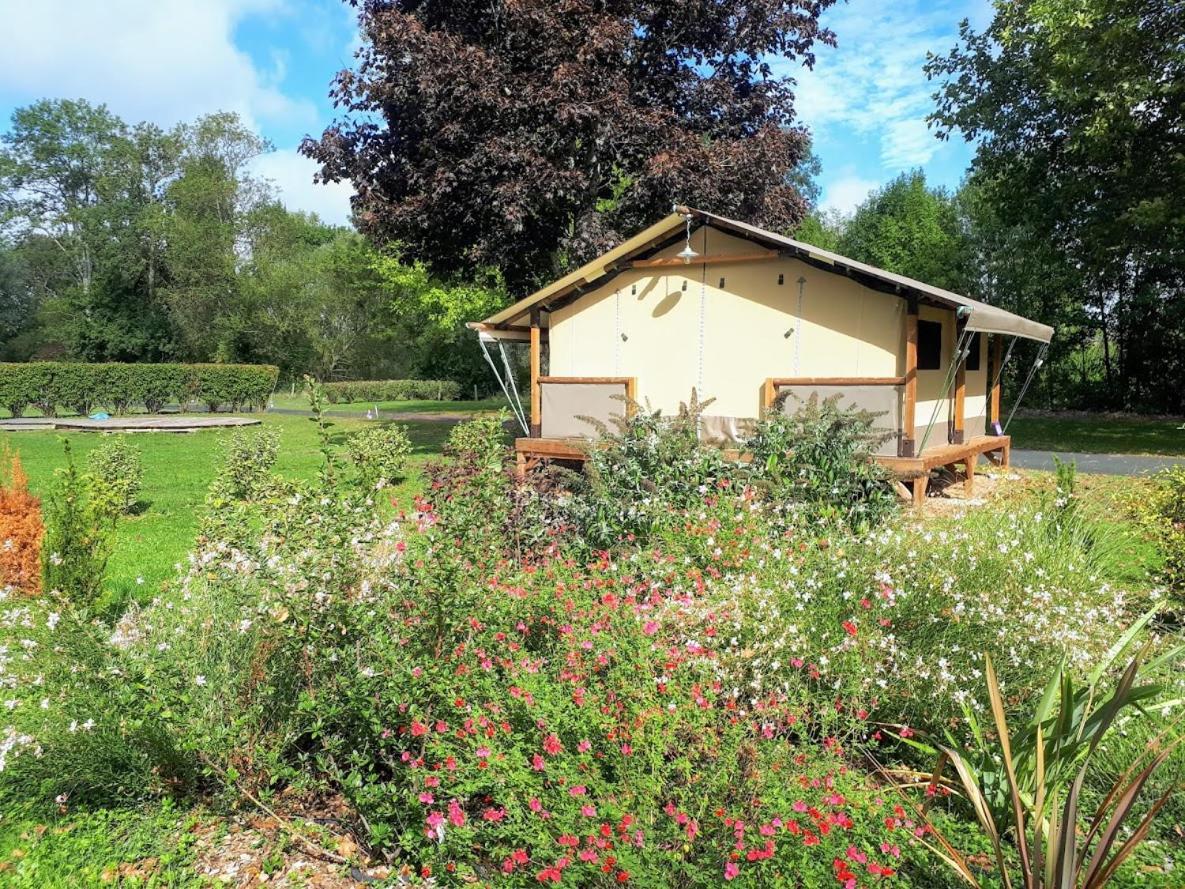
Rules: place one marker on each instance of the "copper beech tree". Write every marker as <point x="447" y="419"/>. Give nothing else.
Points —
<point x="527" y="135"/>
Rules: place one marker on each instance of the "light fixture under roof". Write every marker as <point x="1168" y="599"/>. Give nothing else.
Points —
<point x="687" y="254"/>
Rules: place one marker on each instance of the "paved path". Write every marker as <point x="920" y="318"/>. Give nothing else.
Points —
<point x="414" y="417"/>
<point x="1101" y="464"/>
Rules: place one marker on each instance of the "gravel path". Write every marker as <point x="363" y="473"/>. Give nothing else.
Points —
<point x="1100" y="464"/>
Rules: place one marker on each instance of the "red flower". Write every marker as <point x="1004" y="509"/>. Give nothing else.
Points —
<point x="552" y="745"/>
<point x="849" y="628"/>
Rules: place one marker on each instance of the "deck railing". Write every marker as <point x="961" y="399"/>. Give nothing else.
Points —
<point x="884" y="396"/>
<point x="566" y="401"/>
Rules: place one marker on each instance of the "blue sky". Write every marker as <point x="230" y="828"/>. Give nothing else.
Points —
<point x="272" y="60"/>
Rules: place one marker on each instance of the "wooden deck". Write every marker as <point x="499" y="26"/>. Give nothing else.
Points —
<point x="912" y="473"/>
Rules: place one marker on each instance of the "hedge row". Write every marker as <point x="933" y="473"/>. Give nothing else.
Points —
<point x="51" y="386"/>
<point x="392" y="390"/>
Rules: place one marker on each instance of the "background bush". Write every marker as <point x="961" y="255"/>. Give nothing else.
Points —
<point x="117" y="472"/>
<point x="52" y="386"/>
<point x="392" y="390"/>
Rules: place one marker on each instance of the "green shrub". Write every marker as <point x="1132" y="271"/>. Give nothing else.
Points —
<point x="235" y="385"/>
<point x="1160" y="510"/>
<point x="78" y="525"/>
<point x="117" y="471"/>
<point x="247" y="463"/>
<point x="820" y="458"/>
<point x="379" y="455"/>
<point x="53" y="386"/>
<point x="391" y="390"/>
<point x="644" y="473"/>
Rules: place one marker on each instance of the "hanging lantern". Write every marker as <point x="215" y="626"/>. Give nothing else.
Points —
<point x="687" y="254"/>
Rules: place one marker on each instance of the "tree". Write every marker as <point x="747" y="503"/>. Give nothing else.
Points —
<point x="209" y="208"/>
<point x="822" y="229"/>
<point x="529" y="136"/>
<point x="1077" y="108"/>
<point x="908" y="228"/>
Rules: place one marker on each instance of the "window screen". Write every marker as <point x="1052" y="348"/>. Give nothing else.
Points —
<point x="976" y="350"/>
<point x="929" y="345"/>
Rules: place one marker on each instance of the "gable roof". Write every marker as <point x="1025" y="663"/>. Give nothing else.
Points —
<point x="979" y="317"/>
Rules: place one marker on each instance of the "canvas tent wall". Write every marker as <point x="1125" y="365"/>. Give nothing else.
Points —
<point x="758" y="306"/>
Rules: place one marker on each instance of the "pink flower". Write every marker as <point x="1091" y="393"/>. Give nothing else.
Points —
<point x="584" y="746"/>
<point x="552" y="745"/>
<point x="588" y="811"/>
<point x="493" y="814"/>
<point x="537" y="762"/>
<point x="650" y="628"/>
<point x="427" y="799"/>
<point x="578" y="790"/>
<point x="731" y="870"/>
<point x="535" y="805"/>
<point x="418" y="728"/>
<point x="456" y="816"/>
<point x="482" y="752"/>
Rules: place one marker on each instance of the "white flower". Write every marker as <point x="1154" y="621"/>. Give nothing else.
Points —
<point x="52" y="620"/>
<point x="199" y="680"/>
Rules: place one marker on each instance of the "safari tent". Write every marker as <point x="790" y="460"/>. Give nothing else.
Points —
<point x="744" y="316"/>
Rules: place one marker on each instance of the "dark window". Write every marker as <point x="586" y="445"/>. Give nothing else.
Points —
<point x="929" y="345"/>
<point x="976" y="350"/>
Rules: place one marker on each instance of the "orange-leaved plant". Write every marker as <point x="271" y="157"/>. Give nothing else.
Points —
<point x="21" y="529"/>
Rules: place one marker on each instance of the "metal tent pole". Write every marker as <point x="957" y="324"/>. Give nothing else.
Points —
<point x="1028" y="380"/>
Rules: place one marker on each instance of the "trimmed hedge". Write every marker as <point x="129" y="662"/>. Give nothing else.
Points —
<point x="52" y="386"/>
<point x="392" y="390"/>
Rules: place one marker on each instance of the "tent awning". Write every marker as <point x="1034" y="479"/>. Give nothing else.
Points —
<point x="982" y="317"/>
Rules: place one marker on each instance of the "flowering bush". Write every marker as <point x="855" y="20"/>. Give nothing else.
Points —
<point x="500" y="702"/>
<point x="379" y="455"/>
<point x="117" y="471"/>
<point x="820" y="458"/>
<point x="21" y="530"/>
<point x="246" y="466"/>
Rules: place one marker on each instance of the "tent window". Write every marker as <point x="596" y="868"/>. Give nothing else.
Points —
<point x="929" y="345"/>
<point x="976" y="348"/>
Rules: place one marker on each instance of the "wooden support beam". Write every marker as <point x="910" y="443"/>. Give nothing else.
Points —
<point x="919" y="489"/>
<point x="909" y="407"/>
<point x="536" y="362"/>
<point x="995" y="380"/>
<point x="769" y="393"/>
<point x="969" y="481"/>
<point x="960" y="396"/>
<point x="721" y="259"/>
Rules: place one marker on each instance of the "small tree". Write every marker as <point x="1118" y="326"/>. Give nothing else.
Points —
<point x="77" y="542"/>
<point x="21" y="530"/>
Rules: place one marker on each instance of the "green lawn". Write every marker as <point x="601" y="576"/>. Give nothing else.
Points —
<point x="1099" y="435"/>
<point x="178" y="469"/>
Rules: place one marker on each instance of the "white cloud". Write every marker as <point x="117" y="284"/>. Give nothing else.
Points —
<point x="846" y="193"/>
<point x="292" y="173"/>
<point x="159" y="60"/>
<point x="872" y="85"/>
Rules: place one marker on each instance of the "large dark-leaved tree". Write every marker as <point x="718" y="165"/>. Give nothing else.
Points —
<point x="527" y="135"/>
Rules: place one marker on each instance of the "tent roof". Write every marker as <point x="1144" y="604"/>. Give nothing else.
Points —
<point x="981" y="317"/>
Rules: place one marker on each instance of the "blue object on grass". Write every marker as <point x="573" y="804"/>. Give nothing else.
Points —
<point x="100" y="415"/>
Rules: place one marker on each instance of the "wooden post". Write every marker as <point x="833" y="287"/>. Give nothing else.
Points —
<point x="910" y="407"/>
<point x="969" y="481"/>
<point x="958" y="432"/>
<point x="769" y="392"/>
<point x="996" y="379"/>
<point x="536" y="391"/>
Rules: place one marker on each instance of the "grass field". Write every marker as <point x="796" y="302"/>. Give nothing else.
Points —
<point x="178" y="469"/>
<point x="1099" y="435"/>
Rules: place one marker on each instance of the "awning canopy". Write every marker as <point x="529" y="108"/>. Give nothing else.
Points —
<point x="511" y="322"/>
